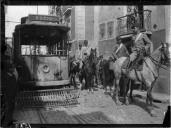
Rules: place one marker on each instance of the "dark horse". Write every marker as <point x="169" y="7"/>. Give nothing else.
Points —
<point x="88" y="70"/>
<point x="73" y="70"/>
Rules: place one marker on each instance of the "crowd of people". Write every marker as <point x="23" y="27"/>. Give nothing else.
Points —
<point x="142" y="46"/>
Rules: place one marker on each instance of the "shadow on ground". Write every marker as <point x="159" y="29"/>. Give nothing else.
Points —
<point x="42" y="116"/>
<point x="142" y="103"/>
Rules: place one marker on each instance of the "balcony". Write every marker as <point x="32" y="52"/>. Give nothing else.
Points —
<point x="143" y="19"/>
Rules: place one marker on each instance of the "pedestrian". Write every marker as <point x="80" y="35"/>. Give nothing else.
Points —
<point x="9" y="88"/>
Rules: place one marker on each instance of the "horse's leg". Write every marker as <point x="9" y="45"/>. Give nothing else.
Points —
<point x="117" y="90"/>
<point x="126" y="88"/>
<point x="81" y="77"/>
<point x="74" y="81"/>
<point x="71" y="80"/>
<point x="148" y="95"/>
<point x="112" y="94"/>
<point x="150" y="92"/>
<point x="87" y="82"/>
<point x="92" y="83"/>
<point x="131" y="85"/>
<point x="97" y="78"/>
<point x="149" y="98"/>
<point x="104" y="80"/>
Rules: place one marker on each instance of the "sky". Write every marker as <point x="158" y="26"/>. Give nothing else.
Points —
<point x="14" y="13"/>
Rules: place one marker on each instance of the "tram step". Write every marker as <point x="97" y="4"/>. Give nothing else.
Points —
<point x="48" y="98"/>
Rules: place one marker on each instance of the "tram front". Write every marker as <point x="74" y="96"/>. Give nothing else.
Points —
<point x="41" y="54"/>
<point x="41" y="57"/>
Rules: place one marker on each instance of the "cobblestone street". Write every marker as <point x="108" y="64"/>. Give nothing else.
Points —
<point x="96" y="108"/>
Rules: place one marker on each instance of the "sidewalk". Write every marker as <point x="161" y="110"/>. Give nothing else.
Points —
<point x="157" y="97"/>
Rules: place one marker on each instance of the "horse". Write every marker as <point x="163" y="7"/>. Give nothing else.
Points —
<point x="89" y="70"/>
<point x="73" y="70"/>
<point x="107" y="68"/>
<point x="98" y="75"/>
<point x="148" y="75"/>
<point x="107" y="74"/>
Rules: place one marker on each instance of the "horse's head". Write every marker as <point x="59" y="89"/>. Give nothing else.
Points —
<point x="165" y="53"/>
<point x="93" y="54"/>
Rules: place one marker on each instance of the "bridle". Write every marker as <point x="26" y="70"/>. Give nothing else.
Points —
<point x="157" y="63"/>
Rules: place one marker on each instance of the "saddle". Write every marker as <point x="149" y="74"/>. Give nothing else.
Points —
<point x="137" y="64"/>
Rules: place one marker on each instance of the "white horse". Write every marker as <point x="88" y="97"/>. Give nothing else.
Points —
<point x="148" y="75"/>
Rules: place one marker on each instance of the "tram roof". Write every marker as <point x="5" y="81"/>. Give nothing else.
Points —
<point x="43" y="32"/>
<point x="42" y="25"/>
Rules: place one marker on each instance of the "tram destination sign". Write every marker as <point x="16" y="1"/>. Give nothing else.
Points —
<point x="43" y="18"/>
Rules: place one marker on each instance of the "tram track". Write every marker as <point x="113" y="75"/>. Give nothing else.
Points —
<point x="48" y="98"/>
<point x="78" y="117"/>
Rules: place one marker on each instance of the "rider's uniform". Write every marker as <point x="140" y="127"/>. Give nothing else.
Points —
<point x="120" y="50"/>
<point x="78" y="56"/>
<point x="140" y="47"/>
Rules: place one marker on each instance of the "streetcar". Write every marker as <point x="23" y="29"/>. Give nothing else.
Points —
<point x="41" y="51"/>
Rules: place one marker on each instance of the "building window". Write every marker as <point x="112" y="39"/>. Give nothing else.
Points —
<point x="110" y="29"/>
<point x="102" y="31"/>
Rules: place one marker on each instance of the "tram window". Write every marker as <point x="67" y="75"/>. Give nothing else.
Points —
<point x="58" y="48"/>
<point x="33" y="50"/>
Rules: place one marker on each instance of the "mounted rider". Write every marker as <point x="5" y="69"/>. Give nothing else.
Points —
<point x="82" y="53"/>
<point x="141" y="47"/>
<point x="85" y="50"/>
<point x="119" y="49"/>
<point x="78" y="56"/>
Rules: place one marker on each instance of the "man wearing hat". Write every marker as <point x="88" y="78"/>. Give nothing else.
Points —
<point x="149" y="33"/>
<point x="119" y="49"/>
<point x="141" y="46"/>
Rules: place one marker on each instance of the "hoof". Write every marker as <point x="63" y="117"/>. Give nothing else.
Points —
<point x="126" y="102"/>
<point x="153" y="113"/>
<point x="118" y="103"/>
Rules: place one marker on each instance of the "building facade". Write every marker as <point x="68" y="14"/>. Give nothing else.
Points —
<point x="108" y="27"/>
<point x="100" y="25"/>
<point x="157" y="21"/>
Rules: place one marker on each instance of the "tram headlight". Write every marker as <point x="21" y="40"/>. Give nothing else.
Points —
<point x="46" y="69"/>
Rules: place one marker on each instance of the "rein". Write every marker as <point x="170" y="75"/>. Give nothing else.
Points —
<point x="157" y="63"/>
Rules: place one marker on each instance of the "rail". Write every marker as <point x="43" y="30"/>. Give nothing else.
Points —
<point x="143" y="19"/>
